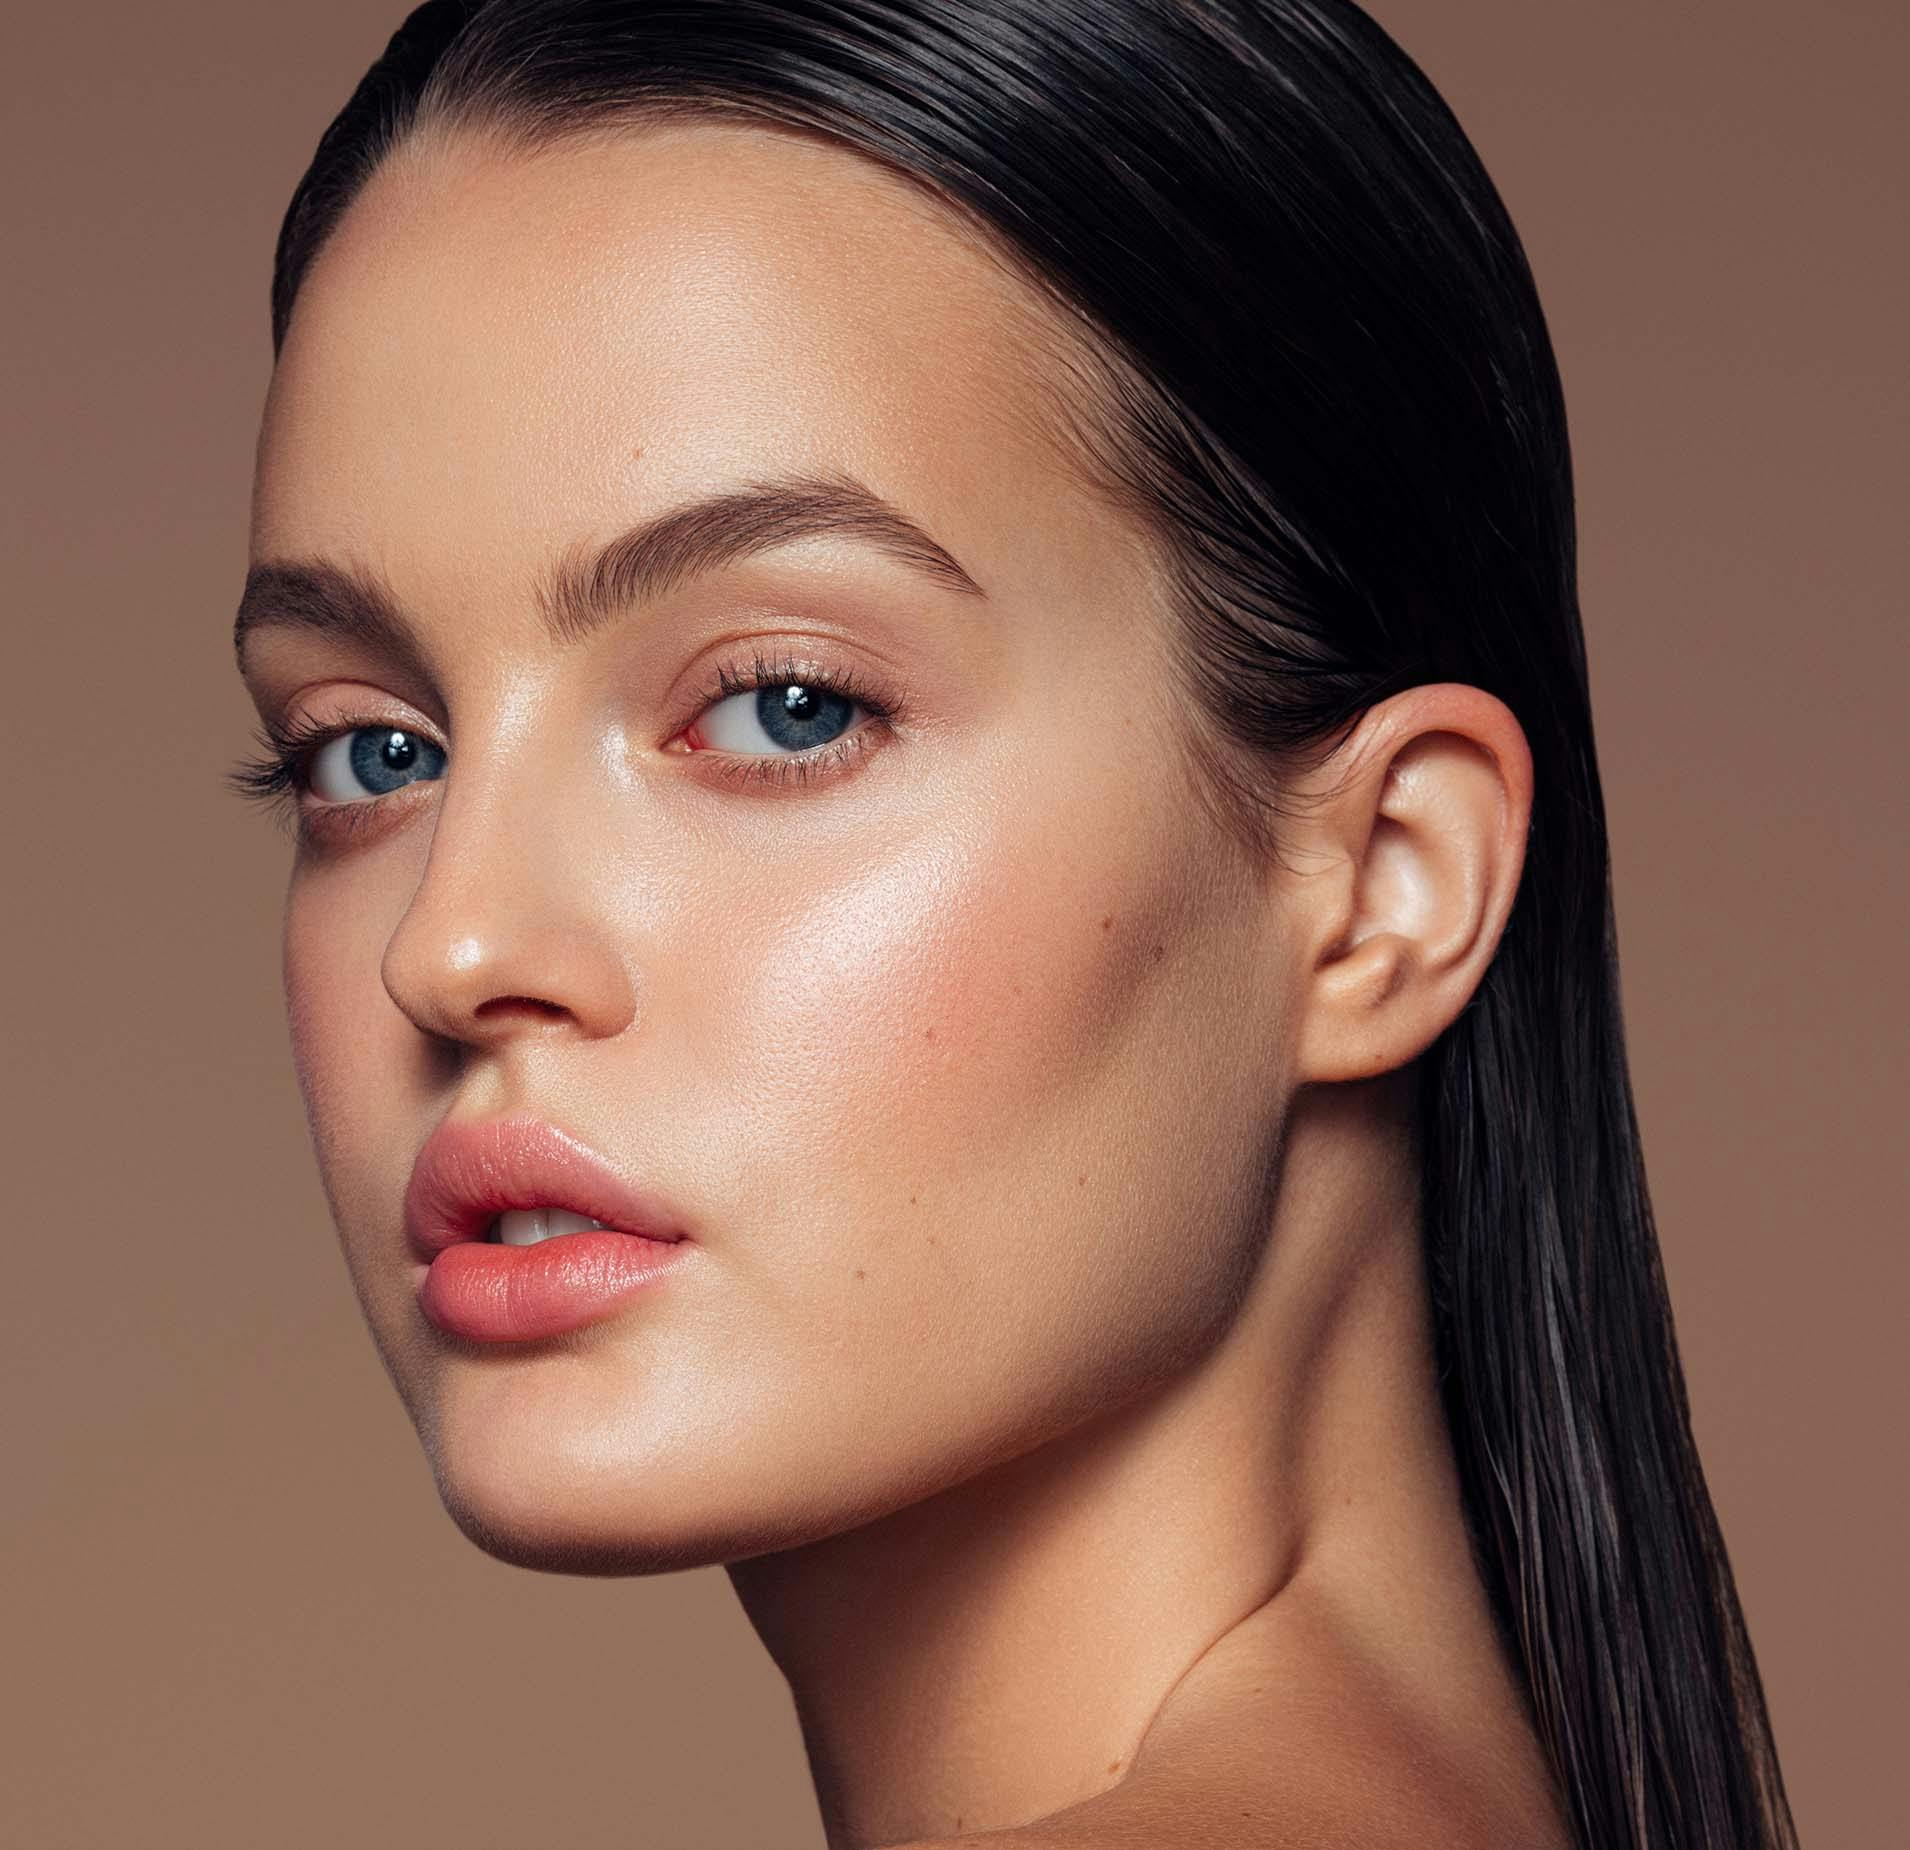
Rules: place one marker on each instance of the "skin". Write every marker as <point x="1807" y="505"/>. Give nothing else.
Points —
<point x="1053" y="1372"/>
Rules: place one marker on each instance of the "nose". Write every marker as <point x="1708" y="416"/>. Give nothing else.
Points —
<point x="507" y="933"/>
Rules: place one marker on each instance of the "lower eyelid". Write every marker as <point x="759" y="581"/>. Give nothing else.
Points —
<point x="323" y="820"/>
<point x="841" y="758"/>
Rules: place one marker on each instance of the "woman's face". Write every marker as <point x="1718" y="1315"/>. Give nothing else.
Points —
<point x="959" y="1054"/>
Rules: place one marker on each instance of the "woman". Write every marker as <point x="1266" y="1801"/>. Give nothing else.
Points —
<point x="951" y="939"/>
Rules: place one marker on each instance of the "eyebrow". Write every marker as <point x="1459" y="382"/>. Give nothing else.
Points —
<point x="589" y="587"/>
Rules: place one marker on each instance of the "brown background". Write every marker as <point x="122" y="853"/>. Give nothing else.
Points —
<point x="236" y="1612"/>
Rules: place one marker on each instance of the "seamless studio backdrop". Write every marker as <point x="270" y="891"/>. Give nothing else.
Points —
<point x="237" y="1614"/>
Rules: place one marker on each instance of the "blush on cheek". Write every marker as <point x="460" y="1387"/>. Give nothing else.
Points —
<point x="956" y="992"/>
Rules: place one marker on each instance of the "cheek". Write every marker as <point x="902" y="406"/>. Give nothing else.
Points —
<point x="911" y="1014"/>
<point x="361" y="1066"/>
<point x="964" y="1087"/>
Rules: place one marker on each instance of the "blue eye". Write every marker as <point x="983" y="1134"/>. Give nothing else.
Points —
<point x="372" y="761"/>
<point x="789" y="720"/>
<point x="793" y="717"/>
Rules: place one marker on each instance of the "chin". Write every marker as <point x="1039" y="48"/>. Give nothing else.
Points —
<point x="564" y="1489"/>
<point x="540" y="1514"/>
<point x="559" y="1539"/>
<point x="537" y="1474"/>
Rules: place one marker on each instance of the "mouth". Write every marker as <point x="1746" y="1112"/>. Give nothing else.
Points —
<point x="521" y="1182"/>
<point x="527" y="1226"/>
<point x="481" y="1191"/>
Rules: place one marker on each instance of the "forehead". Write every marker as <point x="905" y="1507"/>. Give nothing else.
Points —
<point x="497" y="351"/>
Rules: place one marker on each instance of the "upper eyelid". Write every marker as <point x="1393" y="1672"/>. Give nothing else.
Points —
<point x="780" y="657"/>
<point x="300" y="741"/>
<point x="304" y="743"/>
<point x="359" y="710"/>
<point x="782" y="666"/>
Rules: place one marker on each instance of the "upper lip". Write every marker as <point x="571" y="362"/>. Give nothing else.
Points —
<point x="468" y="1173"/>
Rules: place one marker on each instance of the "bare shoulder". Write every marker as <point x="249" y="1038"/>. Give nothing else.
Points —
<point x="1243" y="1812"/>
<point x="1346" y="1803"/>
<point x="1318" y="1752"/>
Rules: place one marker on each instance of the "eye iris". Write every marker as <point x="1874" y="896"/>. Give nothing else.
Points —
<point x="797" y="717"/>
<point x="384" y="757"/>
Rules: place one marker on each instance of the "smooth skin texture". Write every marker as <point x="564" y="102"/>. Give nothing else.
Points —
<point x="1052" y="1367"/>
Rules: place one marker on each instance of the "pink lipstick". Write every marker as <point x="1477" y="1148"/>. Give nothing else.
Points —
<point x="489" y="1290"/>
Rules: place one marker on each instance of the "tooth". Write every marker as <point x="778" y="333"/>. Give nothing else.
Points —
<point x="526" y="1226"/>
<point x="523" y="1226"/>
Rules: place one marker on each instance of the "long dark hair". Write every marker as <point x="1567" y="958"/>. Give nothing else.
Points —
<point x="1321" y="379"/>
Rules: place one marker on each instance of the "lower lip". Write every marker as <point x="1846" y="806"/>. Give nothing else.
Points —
<point x="492" y="1293"/>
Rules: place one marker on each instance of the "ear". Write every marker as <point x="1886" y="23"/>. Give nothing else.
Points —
<point x="1414" y="835"/>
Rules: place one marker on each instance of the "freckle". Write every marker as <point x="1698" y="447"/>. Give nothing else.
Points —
<point x="928" y="1034"/>
<point x="1083" y="1180"/>
<point x="1107" y="924"/>
<point x="1158" y="952"/>
<point x="859" y="1272"/>
<point x="911" y="1201"/>
<point x="1114" y="1766"/>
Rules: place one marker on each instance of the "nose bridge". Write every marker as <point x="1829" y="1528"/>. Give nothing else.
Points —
<point x="507" y="928"/>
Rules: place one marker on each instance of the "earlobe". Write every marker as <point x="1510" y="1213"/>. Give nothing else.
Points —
<point x="1424" y="825"/>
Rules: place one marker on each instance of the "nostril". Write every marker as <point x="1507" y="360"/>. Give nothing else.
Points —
<point x="503" y="1004"/>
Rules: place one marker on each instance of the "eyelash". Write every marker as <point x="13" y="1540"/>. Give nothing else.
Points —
<point x="884" y="708"/>
<point x="281" y="772"/>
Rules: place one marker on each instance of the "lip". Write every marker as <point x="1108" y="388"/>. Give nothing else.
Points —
<point x="467" y="1173"/>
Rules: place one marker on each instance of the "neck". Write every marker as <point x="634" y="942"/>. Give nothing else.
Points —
<point x="999" y="1651"/>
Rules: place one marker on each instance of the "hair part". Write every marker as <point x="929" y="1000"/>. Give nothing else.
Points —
<point x="1303" y="350"/>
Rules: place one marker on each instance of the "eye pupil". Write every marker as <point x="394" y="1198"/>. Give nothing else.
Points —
<point x="798" y="717"/>
<point x="381" y="759"/>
